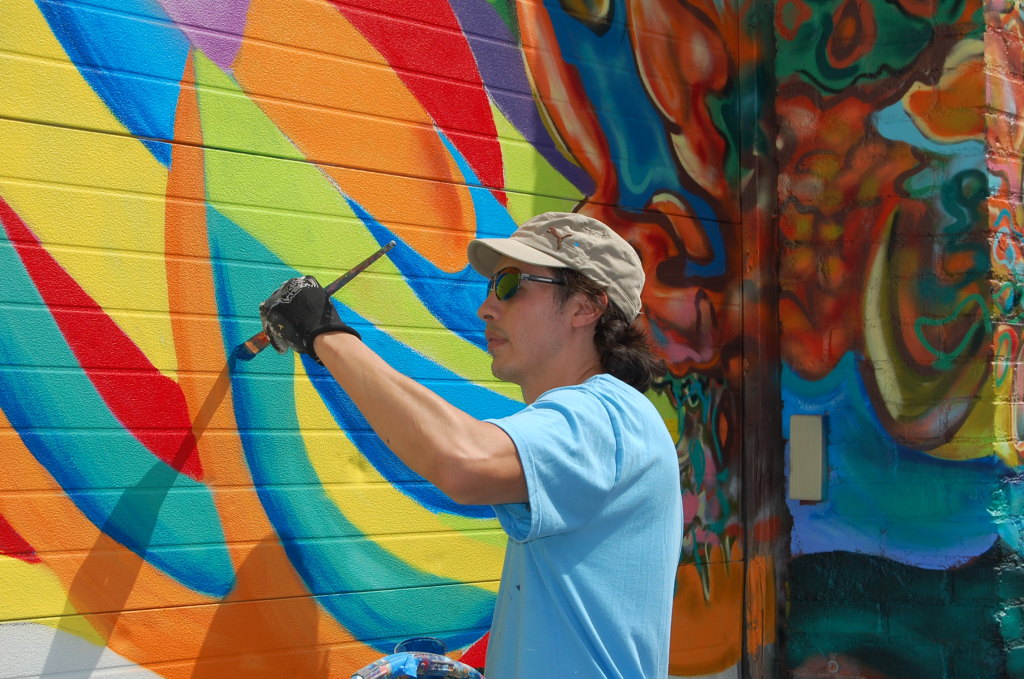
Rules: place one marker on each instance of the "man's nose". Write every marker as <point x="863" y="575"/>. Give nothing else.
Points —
<point x="489" y="307"/>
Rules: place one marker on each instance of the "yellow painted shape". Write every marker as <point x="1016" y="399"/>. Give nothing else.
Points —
<point x="977" y="426"/>
<point x="25" y="98"/>
<point x="23" y="29"/>
<point x="33" y="591"/>
<point x="39" y="157"/>
<point x="534" y="186"/>
<point x="339" y="458"/>
<point x="1005" y="411"/>
<point x="897" y="392"/>
<point x="668" y="412"/>
<point x="1003" y="433"/>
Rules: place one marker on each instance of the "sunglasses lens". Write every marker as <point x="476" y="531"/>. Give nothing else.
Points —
<point x="506" y="284"/>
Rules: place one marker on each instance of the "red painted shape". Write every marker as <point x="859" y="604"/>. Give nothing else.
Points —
<point x="767" y="530"/>
<point x="476" y="654"/>
<point x="150" y="405"/>
<point x="437" y="65"/>
<point x="12" y="544"/>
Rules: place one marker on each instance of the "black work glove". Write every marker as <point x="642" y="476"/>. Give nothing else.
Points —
<point x="297" y="313"/>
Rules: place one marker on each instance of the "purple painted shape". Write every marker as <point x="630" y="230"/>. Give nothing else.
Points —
<point x="502" y="70"/>
<point x="213" y="26"/>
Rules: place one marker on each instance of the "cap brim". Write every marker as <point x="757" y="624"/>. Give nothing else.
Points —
<point x="484" y="253"/>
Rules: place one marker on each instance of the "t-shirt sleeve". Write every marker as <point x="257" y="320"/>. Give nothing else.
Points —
<point x="569" y="454"/>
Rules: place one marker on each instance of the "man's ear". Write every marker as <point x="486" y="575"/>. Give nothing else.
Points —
<point x="588" y="311"/>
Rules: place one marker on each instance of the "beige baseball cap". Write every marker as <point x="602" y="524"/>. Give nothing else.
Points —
<point x="566" y="240"/>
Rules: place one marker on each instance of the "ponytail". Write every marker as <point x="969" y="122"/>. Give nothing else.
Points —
<point x="622" y="345"/>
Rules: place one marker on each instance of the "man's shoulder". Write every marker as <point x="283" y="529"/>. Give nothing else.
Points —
<point x="613" y="393"/>
<point x="607" y="398"/>
<point x="600" y="386"/>
<point x="601" y="400"/>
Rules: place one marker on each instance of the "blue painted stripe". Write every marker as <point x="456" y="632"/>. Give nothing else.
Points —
<point x="111" y="46"/>
<point x="464" y="291"/>
<point x="607" y="68"/>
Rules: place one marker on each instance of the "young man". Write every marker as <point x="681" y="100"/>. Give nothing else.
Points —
<point x="584" y="480"/>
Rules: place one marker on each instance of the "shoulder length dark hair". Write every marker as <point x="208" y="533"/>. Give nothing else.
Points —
<point x="622" y="345"/>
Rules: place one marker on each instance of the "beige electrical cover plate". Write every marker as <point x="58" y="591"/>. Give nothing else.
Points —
<point x="806" y="458"/>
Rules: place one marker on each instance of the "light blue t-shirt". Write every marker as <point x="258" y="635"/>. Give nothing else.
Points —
<point x="587" y="584"/>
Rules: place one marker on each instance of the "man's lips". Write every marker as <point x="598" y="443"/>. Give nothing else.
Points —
<point x="494" y="339"/>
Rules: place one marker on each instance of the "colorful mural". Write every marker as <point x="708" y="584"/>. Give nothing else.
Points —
<point x="167" y="163"/>
<point x="900" y="236"/>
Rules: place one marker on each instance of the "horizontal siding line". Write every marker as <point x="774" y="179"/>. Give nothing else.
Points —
<point x="152" y="256"/>
<point x="128" y="136"/>
<point x="248" y="601"/>
<point x="247" y="486"/>
<point x="332" y="219"/>
<point x="207" y="431"/>
<point x="382" y="517"/>
<point x="250" y="378"/>
<point x="21" y="181"/>
<point x="256" y="542"/>
<point x="133" y="138"/>
<point x="461" y="32"/>
<point x="531" y="95"/>
<point x="262" y="96"/>
<point x="393" y="330"/>
<point x="213" y="32"/>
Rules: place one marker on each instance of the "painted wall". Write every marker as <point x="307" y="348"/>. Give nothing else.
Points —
<point x="166" y="164"/>
<point x="900" y="217"/>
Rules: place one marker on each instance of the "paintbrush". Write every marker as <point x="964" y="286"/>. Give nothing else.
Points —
<point x="258" y="342"/>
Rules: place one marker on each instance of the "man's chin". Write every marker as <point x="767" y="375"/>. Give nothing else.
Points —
<point x="502" y="371"/>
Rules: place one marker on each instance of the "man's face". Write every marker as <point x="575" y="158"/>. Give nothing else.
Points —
<point x="524" y="332"/>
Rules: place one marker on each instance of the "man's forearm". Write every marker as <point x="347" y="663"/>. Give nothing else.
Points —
<point x="470" y="460"/>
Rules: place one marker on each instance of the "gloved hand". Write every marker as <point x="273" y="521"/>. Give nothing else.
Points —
<point x="297" y="313"/>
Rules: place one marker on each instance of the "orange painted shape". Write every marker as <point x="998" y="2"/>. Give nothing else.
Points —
<point x="853" y="35"/>
<point x="681" y="74"/>
<point x="707" y="632"/>
<point x="190" y="285"/>
<point x="358" y="122"/>
<point x="269" y="601"/>
<point x="691" y="234"/>
<point x="954" y="110"/>
<point x="761" y="609"/>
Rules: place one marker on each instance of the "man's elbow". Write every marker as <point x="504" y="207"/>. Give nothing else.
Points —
<point x="469" y="487"/>
<point x="484" y="470"/>
<point x="461" y="486"/>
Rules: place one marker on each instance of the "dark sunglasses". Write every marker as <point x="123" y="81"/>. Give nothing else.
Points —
<point x="505" y="283"/>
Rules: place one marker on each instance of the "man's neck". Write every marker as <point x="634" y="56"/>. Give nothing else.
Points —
<point x="566" y="377"/>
